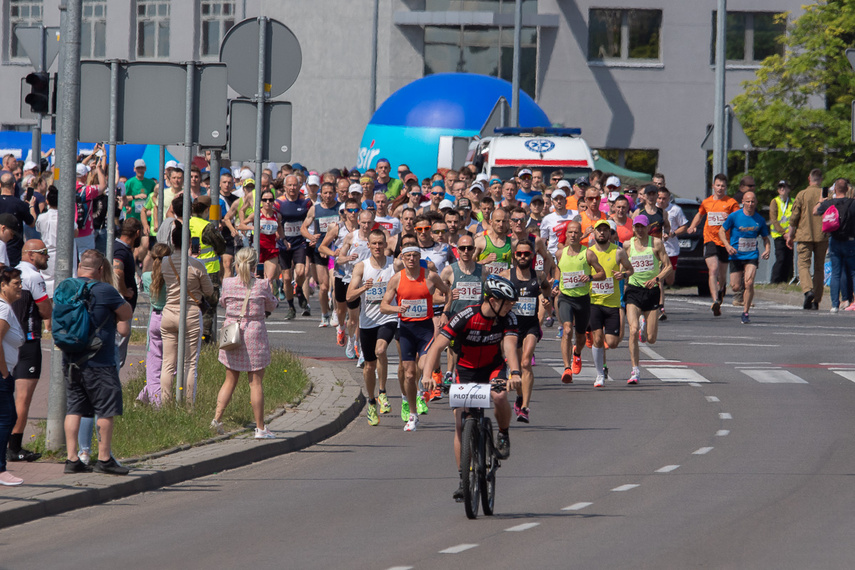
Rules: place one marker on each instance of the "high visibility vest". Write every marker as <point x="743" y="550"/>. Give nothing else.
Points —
<point x="207" y="255"/>
<point x="784" y="212"/>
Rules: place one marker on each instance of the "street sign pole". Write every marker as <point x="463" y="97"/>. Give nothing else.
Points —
<point x="111" y="172"/>
<point x="719" y="149"/>
<point x="259" y="127"/>
<point x="515" y="89"/>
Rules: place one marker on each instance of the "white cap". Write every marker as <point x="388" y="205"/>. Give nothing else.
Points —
<point x="482" y="177"/>
<point x="613" y="181"/>
<point x="313" y="180"/>
<point x="179" y="166"/>
<point x="236" y="173"/>
<point x="613" y="225"/>
<point x="170" y="164"/>
<point x="82" y="169"/>
<point x="139" y="163"/>
<point x="355" y="188"/>
<point x="613" y="195"/>
<point x="563" y="184"/>
<point x="29" y="165"/>
<point x="446" y="204"/>
<point x="558" y="192"/>
<point x="524" y="171"/>
<point x="477" y="184"/>
<point x="246" y="173"/>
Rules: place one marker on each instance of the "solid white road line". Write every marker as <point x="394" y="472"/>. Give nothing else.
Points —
<point x="702" y="451"/>
<point x="401" y="568"/>
<point x="725" y="416"/>
<point x="735" y="344"/>
<point x="694" y="385"/>
<point x="457" y="549"/>
<point x="722" y="432"/>
<point x="626" y="487"/>
<point x="712" y="399"/>
<point x="521" y="527"/>
<point x="773" y="376"/>
<point x="848" y="374"/>
<point x="748" y="363"/>
<point x="667" y="469"/>
<point x="653" y="354"/>
<point x="577" y="506"/>
<point x="285" y="332"/>
<point x="675" y="374"/>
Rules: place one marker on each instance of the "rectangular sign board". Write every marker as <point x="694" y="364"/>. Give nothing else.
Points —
<point x="243" y="116"/>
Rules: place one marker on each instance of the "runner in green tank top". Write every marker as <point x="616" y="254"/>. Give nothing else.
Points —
<point x="494" y="257"/>
<point x="650" y="264"/>
<point x="577" y="267"/>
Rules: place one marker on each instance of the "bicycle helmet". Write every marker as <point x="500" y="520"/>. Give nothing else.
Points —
<point x="499" y="288"/>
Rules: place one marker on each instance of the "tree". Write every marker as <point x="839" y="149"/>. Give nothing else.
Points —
<point x="801" y="101"/>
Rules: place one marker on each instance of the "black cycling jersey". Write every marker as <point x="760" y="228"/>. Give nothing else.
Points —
<point x="477" y="339"/>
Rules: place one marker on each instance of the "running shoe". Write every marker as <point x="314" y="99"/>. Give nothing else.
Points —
<point x="436" y="393"/>
<point x="385" y="406"/>
<point x="745" y="319"/>
<point x="405" y="409"/>
<point x="633" y="378"/>
<point x="281" y="294"/>
<point x="851" y="307"/>
<point x="307" y="312"/>
<point x="412" y="423"/>
<point x="503" y="445"/>
<point x="834" y="310"/>
<point x="560" y="333"/>
<point x="264" y="434"/>
<point x="334" y="319"/>
<point x="9" y="480"/>
<point x="421" y="406"/>
<point x="548" y="322"/>
<point x="84" y="456"/>
<point x="292" y="312"/>
<point x="589" y="340"/>
<point x="371" y="413"/>
<point x="518" y="405"/>
<point x="448" y="378"/>
<point x="301" y="300"/>
<point x="325" y="322"/>
<point x="662" y="315"/>
<point x="567" y="377"/>
<point x="340" y="336"/>
<point x="356" y="347"/>
<point x="350" y="349"/>
<point x="600" y="381"/>
<point x="716" y="308"/>
<point x="642" y="329"/>
<point x="216" y="426"/>
<point x="533" y="363"/>
<point x="22" y="455"/>
<point x="577" y="364"/>
<point x="361" y="362"/>
<point x="523" y="415"/>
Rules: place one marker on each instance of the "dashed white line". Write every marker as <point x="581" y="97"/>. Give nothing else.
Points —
<point x="626" y="487"/>
<point x="722" y="432"/>
<point x="725" y="416"/>
<point x="712" y="399"/>
<point x="773" y="376"/>
<point x="702" y="451"/>
<point x="667" y="468"/>
<point x="401" y="568"/>
<point x="457" y="549"/>
<point x="748" y="363"/>
<point x="522" y="527"/>
<point x="577" y="506"/>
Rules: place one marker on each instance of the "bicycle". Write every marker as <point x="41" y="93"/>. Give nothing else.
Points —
<point x="478" y="459"/>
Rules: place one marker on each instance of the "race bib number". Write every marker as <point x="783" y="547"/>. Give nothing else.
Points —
<point x="604" y="287"/>
<point x="374" y="294"/>
<point x="388" y="226"/>
<point x="747" y="245"/>
<point x="573" y="279"/>
<point x="470" y="396"/>
<point x="642" y="262"/>
<point x="469" y="291"/>
<point x="496" y="267"/>
<point x="292" y="229"/>
<point x="414" y="308"/>
<point x="269" y="227"/>
<point x="324" y="223"/>
<point x="526" y="307"/>
<point x="538" y="263"/>
<point x="716" y="218"/>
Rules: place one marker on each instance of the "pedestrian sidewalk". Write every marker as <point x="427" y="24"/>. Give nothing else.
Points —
<point x="334" y="401"/>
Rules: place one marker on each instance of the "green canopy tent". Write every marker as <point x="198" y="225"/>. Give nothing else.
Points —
<point x="626" y="175"/>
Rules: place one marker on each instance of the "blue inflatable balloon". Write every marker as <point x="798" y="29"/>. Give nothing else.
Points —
<point x="407" y="126"/>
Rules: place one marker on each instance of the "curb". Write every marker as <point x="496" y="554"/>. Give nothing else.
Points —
<point x="90" y="490"/>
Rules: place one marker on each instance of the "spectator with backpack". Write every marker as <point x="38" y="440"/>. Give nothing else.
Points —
<point x="11" y="339"/>
<point x="86" y="316"/>
<point x="838" y="220"/>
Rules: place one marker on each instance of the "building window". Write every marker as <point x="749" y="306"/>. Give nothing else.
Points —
<point x="22" y="13"/>
<point x="218" y="16"/>
<point x="624" y="35"/>
<point x="750" y="37"/>
<point x="93" y="32"/>
<point x="488" y="51"/>
<point x="153" y="28"/>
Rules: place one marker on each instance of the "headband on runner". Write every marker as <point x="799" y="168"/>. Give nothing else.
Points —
<point x="411" y="249"/>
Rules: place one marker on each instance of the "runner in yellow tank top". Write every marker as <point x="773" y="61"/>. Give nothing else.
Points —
<point x="650" y="264"/>
<point x="577" y="267"/>
<point x="606" y="318"/>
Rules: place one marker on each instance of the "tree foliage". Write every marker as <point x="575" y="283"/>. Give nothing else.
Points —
<point x="801" y="101"/>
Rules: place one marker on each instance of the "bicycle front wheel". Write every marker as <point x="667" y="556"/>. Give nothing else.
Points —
<point x="471" y="467"/>
<point x="488" y="473"/>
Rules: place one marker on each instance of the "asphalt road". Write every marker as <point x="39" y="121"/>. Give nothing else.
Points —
<point x="735" y="451"/>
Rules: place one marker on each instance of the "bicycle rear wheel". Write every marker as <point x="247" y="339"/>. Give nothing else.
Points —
<point x="488" y="473"/>
<point x="471" y="465"/>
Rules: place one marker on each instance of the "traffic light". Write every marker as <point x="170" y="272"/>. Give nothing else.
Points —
<point x="39" y="97"/>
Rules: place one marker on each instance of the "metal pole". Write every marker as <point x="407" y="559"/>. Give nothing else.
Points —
<point x="111" y="165"/>
<point x="259" y="127"/>
<point x="181" y="381"/>
<point x="719" y="141"/>
<point x="162" y="180"/>
<point x="515" y="90"/>
<point x="66" y="158"/>
<point x="372" y="96"/>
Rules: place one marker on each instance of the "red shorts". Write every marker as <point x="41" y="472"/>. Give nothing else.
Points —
<point x="268" y="253"/>
<point x="674" y="259"/>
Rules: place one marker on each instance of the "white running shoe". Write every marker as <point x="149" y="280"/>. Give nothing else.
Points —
<point x="600" y="381"/>
<point x="218" y="427"/>
<point x="412" y="423"/>
<point x="325" y="322"/>
<point x="361" y="362"/>
<point x="633" y="378"/>
<point x="350" y="349"/>
<point x="264" y="434"/>
<point x="334" y="319"/>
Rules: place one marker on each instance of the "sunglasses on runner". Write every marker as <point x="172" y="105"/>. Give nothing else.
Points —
<point x="523" y="254"/>
<point x="268" y="199"/>
<point x="437" y="193"/>
<point x="517" y="220"/>
<point x="466" y="247"/>
<point x="422" y="230"/>
<point x="352" y="210"/>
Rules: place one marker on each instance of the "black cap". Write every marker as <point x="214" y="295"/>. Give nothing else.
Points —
<point x="11" y="222"/>
<point x="464" y="203"/>
<point x="582" y="181"/>
<point x="651" y="188"/>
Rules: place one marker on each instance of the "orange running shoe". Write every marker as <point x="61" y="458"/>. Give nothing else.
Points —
<point x="577" y="364"/>
<point x="567" y="377"/>
<point x="436" y="393"/>
<point x="589" y="341"/>
<point x="340" y="336"/>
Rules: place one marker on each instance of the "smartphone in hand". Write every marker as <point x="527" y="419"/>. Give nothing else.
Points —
<point x="259" y="271"/>
<point x="29" y="195"/>
<point x="195" y="246"/>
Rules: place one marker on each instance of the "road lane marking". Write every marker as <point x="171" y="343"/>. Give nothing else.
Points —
<point x="577" y="506"/>
<point x="667" y="469"/>
<point x="725" y="416"/>
<point x="522" y="527"/>
<point x="694" y="385"/>
<point x="675" y="374"/>
<point x="722" y="432"/>
<point x="702" y="451"/>
<point x="653" y="354"/>
<point x="748" y="363"/>
<point x="848" y="374"/>
<point x="772" y="376"/>
<point x="735" y="344"/>
<point x="286" y="332"/>
<point x="712" y="399"/>
<point x="457" y="549"/>
<point x="401" y="568"/>
<point x="626" y="487"/>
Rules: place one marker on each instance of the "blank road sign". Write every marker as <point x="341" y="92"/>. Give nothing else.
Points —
<point x="243" y="115"/>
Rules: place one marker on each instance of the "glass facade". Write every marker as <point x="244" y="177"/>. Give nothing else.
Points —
<point x="750" y="37"/>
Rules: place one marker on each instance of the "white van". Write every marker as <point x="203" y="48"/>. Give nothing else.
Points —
<point x="545" y="149"/>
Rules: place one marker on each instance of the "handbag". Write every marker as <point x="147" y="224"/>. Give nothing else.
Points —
<point x="229" y="336"/>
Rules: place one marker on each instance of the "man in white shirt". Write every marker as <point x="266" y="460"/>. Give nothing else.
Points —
<point x="559" y="215"/>
<point x="678" y="224"/>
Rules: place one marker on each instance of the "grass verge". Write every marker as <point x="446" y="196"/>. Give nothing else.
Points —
<point x="143" y="429"/>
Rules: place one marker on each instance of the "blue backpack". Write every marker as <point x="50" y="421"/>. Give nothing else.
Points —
<point x="71" y="320"/>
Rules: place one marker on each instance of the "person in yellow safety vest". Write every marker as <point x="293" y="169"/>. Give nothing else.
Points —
<point x="207" y="253"/>
<point x="780" y="210"/>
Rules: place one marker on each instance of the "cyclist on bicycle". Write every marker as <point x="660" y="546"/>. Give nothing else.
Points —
<point x="482" y="333"/>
